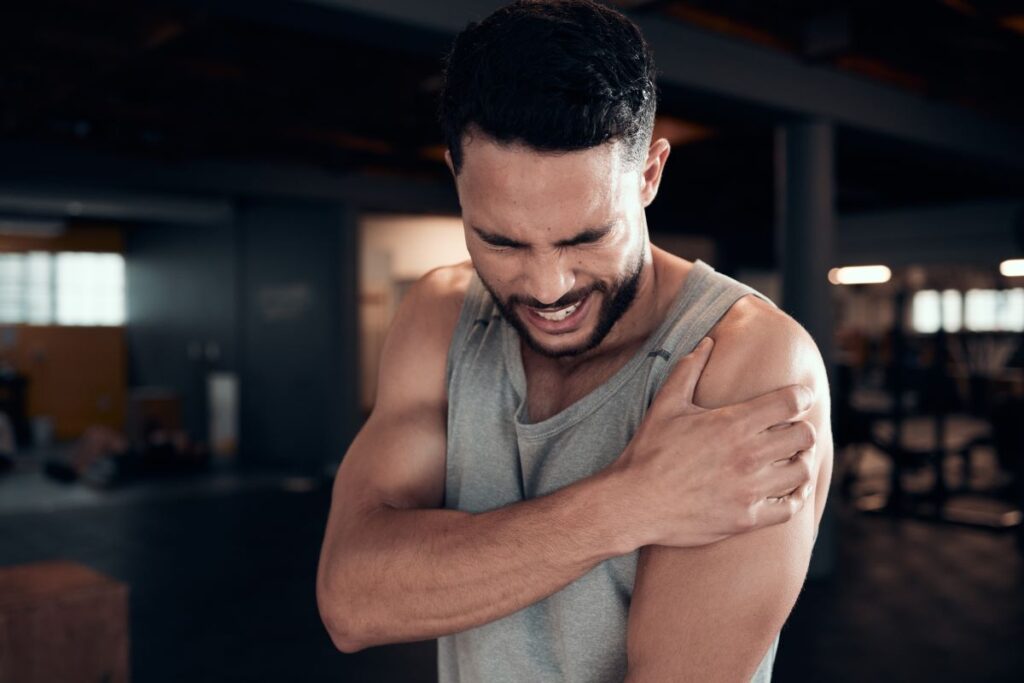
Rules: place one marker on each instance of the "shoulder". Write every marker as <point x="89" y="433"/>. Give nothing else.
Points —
<point x="443" y="289"/>
<point x="415" y="350"/>
<point x="759" y="348"/>
<point x="431" y="307"/>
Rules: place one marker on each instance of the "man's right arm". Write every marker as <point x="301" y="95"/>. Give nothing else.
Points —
<point x="394" y="567"/>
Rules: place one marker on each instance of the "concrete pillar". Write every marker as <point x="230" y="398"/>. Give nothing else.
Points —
<point x="805" y="229"/>
<point x="805" y="172"/>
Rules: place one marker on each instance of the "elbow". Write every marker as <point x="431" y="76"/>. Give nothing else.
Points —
<point x="347" y="646"/>
<point x="344" y="643"/>
<point x="344" y="639"/>
<point x="339" y="617"/>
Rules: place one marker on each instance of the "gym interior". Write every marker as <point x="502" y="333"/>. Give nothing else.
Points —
<point x="209" y="212"/>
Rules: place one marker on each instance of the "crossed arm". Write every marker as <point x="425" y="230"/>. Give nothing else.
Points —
<point x="394" y="567"/>
<point x="710" y="613"/>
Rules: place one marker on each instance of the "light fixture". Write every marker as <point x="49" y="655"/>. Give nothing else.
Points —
<point x="859" y="275"/>
<point x="1013" y="267"/>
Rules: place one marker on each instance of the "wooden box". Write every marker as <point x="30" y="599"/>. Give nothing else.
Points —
<point x="62" y="622"/>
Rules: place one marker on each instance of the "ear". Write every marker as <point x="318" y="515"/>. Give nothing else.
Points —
<point x="448" y="161"/>
<point x="657" y="155"/>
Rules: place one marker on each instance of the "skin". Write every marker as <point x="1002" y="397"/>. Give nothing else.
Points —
<point x="710" y="613"/>
<point x="725" y="523"/>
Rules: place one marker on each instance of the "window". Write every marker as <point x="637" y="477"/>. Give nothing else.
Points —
<point x="62" y="288"/>
<point x="38" y="289"/>
<point x="979" y="310"/>
<point x="12" y="280"/>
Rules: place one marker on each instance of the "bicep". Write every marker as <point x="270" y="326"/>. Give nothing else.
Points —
<point x="711" y="613"/>
<point x="396" y="460"/>
<point x="398" y="457"/>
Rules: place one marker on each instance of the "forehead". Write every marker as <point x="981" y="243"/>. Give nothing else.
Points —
<point x="511" y="187"/>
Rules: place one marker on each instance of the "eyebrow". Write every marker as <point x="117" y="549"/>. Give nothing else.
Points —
<point x="585" y="237"/>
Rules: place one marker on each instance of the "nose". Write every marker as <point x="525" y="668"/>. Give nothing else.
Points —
<point x="548" y="277"/>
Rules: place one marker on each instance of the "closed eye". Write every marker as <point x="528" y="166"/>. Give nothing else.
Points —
<point x="497" y="241"/>
<point x="590" y="236"/>
<point x="501" y="243"/>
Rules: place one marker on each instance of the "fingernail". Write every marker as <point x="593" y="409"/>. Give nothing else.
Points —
<point x="706" y="342"/>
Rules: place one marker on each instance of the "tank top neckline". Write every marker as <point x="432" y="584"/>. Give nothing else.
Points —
<point x="586" y="404"/>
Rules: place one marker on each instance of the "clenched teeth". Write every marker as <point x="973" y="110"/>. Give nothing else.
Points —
<point x="560" y="314"/>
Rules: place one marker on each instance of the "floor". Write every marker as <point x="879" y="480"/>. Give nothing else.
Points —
<point x="27" y="489"/>
<point x="911" y="601"/>
<point x="222" y="583"/>
<point x="222" y="590"/>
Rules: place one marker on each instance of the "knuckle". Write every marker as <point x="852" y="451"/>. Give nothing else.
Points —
<point x="803" y="495"/>
<point x="747" y="497"/>
<point x="745" y="461"/>
<point x="737" y="465"/>
<point x="746" y="520"/>
<point x="752" y="463"/>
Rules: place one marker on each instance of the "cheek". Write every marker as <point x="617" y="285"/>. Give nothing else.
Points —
<point x="496" y="269"/>
<point x="621" y="257"/>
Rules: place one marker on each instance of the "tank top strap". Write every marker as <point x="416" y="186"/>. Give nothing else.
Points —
<point x="477" y="309"/>
<point x="706" y="299"/>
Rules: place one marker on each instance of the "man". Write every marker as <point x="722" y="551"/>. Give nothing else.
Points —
<point x="557" y="480"/>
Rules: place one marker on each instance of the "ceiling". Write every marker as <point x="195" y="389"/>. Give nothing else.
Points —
<point x="293" y="82"/>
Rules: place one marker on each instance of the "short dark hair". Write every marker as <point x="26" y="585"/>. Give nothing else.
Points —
<point x="555" y="75"/>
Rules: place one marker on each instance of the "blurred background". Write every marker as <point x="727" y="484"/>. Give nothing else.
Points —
<point x="210" y="210"/>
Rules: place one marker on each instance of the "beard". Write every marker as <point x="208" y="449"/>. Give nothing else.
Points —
<point x="616" y="300"/>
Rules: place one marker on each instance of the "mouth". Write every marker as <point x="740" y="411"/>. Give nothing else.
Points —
<point x="559" y="321"/>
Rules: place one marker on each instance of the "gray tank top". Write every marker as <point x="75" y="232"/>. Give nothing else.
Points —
<point x="496" y="456"/>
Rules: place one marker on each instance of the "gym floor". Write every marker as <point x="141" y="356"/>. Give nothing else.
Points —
<point x="222" y="589"/>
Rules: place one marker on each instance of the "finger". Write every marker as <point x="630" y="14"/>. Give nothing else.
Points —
<point x="784" y="441"/>
<point x="771" y="511"/>
<point x="676" y="393"/>
<point x="782" y="405"/>
<point x="792" y="475"/>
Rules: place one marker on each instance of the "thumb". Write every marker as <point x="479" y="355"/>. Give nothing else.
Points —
<point x="676" y="393"/>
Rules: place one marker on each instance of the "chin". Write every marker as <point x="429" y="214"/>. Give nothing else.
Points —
<point x="580" y="343"/>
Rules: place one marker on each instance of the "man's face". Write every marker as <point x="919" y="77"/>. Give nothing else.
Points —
<point x="558" y="239"/>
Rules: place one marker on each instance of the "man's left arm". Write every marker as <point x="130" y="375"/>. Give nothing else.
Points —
<point x="710" y="613"/>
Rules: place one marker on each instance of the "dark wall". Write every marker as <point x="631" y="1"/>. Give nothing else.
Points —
<point x="181" y="284"/>
<point x="194" y="272"/>
<point x="271" y="296"/>
<point x="298" y="312"/>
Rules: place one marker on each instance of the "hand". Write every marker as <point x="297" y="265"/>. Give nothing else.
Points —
<point x="698" y="476"/>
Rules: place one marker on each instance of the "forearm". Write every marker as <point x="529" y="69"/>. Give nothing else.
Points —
<point x="408" y="574"/>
